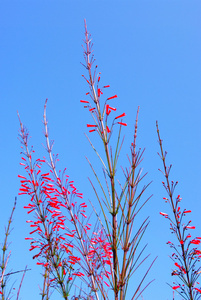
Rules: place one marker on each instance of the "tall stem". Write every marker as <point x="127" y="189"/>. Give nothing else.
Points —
<point x="111" y="170"/>
<point x="175" y="214"/>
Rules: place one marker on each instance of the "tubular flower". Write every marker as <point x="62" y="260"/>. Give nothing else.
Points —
<point x="120" y="116"/>
<point x="164" y="214"/>
<point x="123" y="124"/>
<point x="84" y="101"/>
<point x="108" y="130"/>
<point x="89" y="125"/>
<point x="176" y="287"/>
<point x="190" y="227"/>
<point x="196" y="242"/>
<point x="109" y="109"/>
<point x="115" y="96"/>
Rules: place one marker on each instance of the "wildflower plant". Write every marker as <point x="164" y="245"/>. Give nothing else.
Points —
<point x="186" y="255"/>
<point x="99" y="261"/>
<point x="61" y="234"/>
<point x="124" y="205"/>
<point x="58" y="229"/>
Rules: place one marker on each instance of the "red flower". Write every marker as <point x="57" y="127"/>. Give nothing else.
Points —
<point x="124" y="124"/>
<point x="99" y="92"/>
<point x="196" y="242"/>
<point x="120" y="116"/>
<point x="177" y="265"/>
<point x="89" y="125"/>
<point x="115" y="96"/>
<point x="84" y="101"/>
<point x="163" y="214"/>
<point x="176" y="287"/>
<point x="109" y="108"/>
<point x="108" y="130"/>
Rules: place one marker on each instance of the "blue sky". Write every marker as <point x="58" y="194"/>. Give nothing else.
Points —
<point x="149" y="53"/>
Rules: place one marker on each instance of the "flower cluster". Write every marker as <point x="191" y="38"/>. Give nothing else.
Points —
<point x="119" y="201"/>
<point x="186" y="255"/>
<point x="99" y="114"/>
<point x="100" y="255"/>
<point x="60" y="231"/>
<point x="48" y="196"/>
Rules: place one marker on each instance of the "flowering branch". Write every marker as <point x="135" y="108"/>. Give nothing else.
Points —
<point x="125" y="203"/>
<point x="52" y="198"/>
<point x="186" y="255"/>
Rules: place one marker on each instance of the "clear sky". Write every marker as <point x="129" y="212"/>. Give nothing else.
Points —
<point x="149" y="52"/>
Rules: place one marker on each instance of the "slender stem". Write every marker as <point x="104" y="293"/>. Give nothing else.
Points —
<point x="132" y="187"/>
<point x="111" y="170"/>
<point x="189" y="284"/>
<point x="5" y="259"/>
<point x="18" y="292"/>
